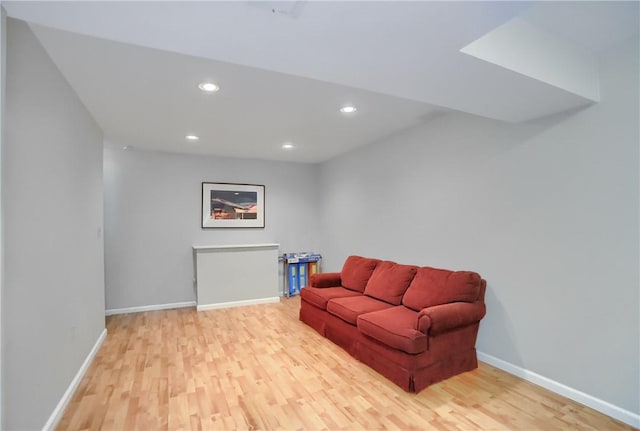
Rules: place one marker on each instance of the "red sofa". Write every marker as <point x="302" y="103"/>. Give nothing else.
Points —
<point x="414" y="325"/>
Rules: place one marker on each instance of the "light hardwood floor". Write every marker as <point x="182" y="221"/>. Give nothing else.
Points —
<point x="258" y="367"/>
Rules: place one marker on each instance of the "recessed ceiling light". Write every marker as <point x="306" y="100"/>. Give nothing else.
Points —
<point x="348" y="109"/>
<point x="192" y="138"/>
<point x="208" y="87"/>
<point x="288" y="146"/>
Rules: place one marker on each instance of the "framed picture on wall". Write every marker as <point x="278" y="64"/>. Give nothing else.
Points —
<point x="228" y="205"/>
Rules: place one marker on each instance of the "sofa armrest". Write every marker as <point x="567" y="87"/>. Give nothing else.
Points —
<point x="445" y="317"/>
<point x="325" y="279"/>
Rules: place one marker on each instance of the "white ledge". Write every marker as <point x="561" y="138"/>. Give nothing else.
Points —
<point x="219" y="247"/>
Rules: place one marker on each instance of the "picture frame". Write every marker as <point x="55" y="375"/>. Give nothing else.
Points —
<point x="231" y="205"/>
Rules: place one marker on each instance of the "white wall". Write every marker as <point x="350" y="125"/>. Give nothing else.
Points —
<point x="152" y="218"/>
<point x="546" y="211"/>
<point x="53" y="298"/>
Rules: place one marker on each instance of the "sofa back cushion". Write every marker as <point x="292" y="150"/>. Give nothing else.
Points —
<point x="432" y="286"/>
<point x="356" y="272"/>
<point x="390" y="281"/>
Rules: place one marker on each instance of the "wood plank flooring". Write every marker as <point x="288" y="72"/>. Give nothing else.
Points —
<point x="258" y="367"/>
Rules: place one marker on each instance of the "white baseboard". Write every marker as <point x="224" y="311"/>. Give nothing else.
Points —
<point x="68" y="394"/>
<point x="238" y="303"/>
<point x="149" y="308"/>
<point x="602" y="406"/>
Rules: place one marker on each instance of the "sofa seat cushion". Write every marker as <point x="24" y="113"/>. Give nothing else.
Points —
<point x="432" y="286"/>
<point x="348" y="309"/>
<point x="319" y="296"/>
<point x="396" y="327"/>
<point x="356" y="271"/>
<point x="389" y="281"/>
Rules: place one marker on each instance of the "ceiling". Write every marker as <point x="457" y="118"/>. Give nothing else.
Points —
<point x="285" y="68"/>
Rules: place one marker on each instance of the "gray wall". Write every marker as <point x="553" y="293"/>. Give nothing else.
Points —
<point x="3" y="57"/>
<point x="547" y="212"/>
<point x="53" y="299"/>
<point x="152" y="218"/>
